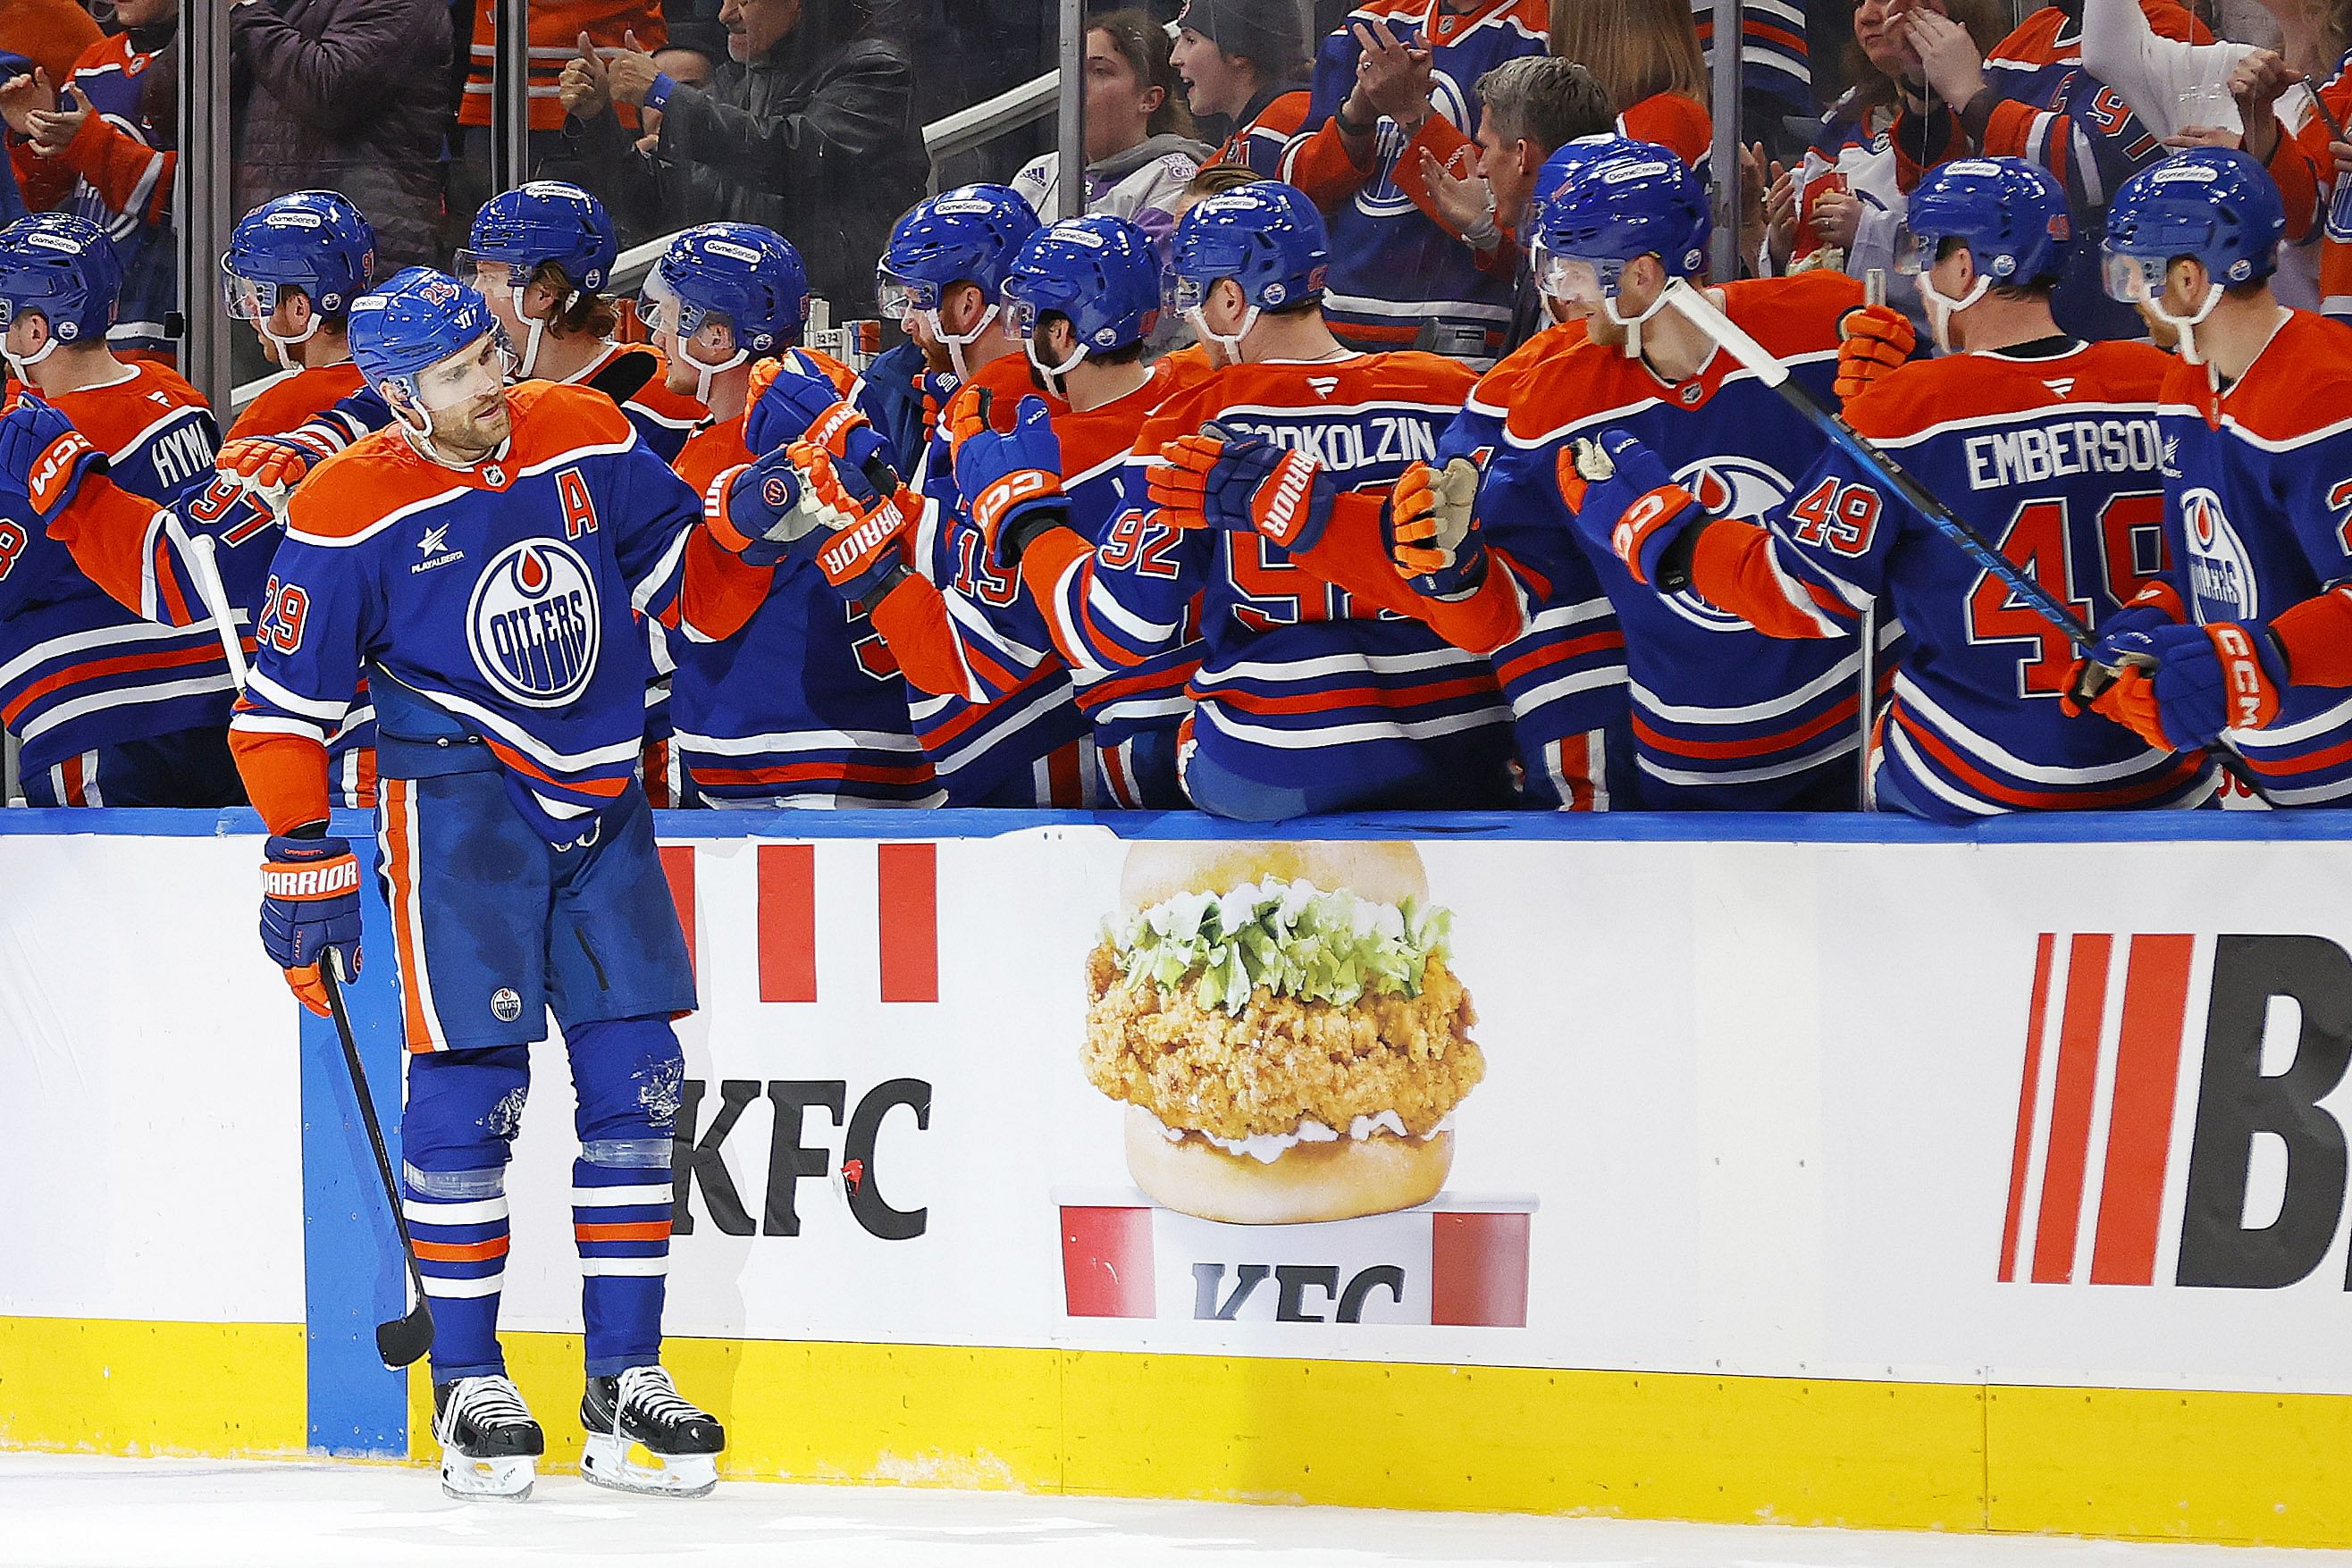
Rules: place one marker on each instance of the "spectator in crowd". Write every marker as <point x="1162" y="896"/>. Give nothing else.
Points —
<point x="2030" y="97"/>
<point x="1384" y="89"/>
<point x="107" y="134"/>
<point x="687" y="67"/>
<point x="556" y="29"/>
<point x="346" y="95"/>
<point x="1646" y="55"/>
<point x="1534" y="105"/>
<point x="1776" y="72"/>
<point x="810" y="128"/>
<point x="1842" y="206"/>
<point x="1243" y="66"/>
<point x="1138" y="154"/>
<point x="48" y="35"/>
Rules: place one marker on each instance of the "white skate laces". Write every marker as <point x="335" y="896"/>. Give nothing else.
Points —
<point x="490" y="1443"/>
<point x="641" y="1413"/>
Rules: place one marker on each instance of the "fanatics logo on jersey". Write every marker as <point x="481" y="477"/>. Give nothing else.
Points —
<point x="432" y="546"/>
<point x="533" y="623"/>
<point x="506" y="1006"/>
<point x="1323" y="386"/>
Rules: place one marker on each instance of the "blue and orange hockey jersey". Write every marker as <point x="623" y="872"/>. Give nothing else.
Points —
<point x="1723" y="717"/>
<point x="2056" y="458"/>
<point x="1393" y="267"/>
<point x="2259" y="522"/>
<point x="493" y="609"/>
<point x="802" y="707"/>
<point x="123" y="181"/>
<point x="1300" y="681"/>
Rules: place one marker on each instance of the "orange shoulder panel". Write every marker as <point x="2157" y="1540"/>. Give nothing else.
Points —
<point x="552" y="417"/>
<point x="711" y="450"/>
<point x="1795" y="315"/>
<point x="1680" y="125"/>
<point x="1412" y="373"/>
<point x="350" y="492"/>
<point x="113" y="416"/>
<point x="2303" y="381"/>
<point x="286" y="402"/>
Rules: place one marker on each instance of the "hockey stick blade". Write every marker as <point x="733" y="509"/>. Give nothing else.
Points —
<point x="404" y="1340"/>
<point x="1701" y="312"/>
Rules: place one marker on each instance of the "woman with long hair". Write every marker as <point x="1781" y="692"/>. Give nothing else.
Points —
<point x="1646" y="55"/>
<point x="1139" y="151"/>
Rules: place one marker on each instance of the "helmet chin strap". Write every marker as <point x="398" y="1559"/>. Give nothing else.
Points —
<point x="529" y="360"/>
<point x="2187" y="325"/>
<point x="1632" y="324"/>
<point x="284" y="347"/>
<point x="1942" y="307"/>
<point x="19" y="362"/>
<point x="1053" y="373"/>
<point x="956" y="342"/>
<point x="1231" y="345"/>
<point x="704" y="370"/>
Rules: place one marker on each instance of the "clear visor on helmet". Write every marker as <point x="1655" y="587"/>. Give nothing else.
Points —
<point x="2135" y="279"/>
<point x="1914" y="252"/>
<point x="473" y="373"/>
<point x="487" y="272"/>
<point x="895" y="295"/>
<point x="1190" y="294"/>
<point x="248" y="298"/>
<point x="1571" y="279"/>
<point x="1020" y="315"/>
<point x="662" y="311"/>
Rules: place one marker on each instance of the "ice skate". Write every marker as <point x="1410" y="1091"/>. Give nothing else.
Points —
<point x="641" y="1413"/>
<point x="490" y="1444"/>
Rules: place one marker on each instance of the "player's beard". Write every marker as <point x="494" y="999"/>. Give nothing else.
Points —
<point x="471" y="432"/>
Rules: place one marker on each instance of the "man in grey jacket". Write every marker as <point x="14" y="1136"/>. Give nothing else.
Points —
<point x="809" y="127"/>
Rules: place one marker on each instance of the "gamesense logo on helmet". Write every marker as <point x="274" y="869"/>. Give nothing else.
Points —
<point x="2221" y="573"/>
<point x="533" y="623"/>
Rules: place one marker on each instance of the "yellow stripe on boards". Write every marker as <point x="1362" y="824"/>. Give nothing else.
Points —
<point x="111" y="1387"/>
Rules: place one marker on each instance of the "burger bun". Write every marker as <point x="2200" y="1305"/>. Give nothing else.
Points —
<point x="1308" y="1182"/>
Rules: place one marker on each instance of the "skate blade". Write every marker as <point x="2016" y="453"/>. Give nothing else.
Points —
<point x="613" y="1463"/>
<point x="488" y="1480"/>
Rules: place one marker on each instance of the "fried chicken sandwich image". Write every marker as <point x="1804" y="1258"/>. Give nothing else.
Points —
<point x="1280" y="1020"/>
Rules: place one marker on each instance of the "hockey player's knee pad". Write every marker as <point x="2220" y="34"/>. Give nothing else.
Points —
<point x="464" y="1108"/>
<point x="629" y="1075"/>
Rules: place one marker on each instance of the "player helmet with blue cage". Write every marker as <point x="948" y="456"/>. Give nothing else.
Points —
<point x="743" y="277"/>
<point x="313" y="246"/>
<point x="429" y="345"/>
<point x="62" y="269"/>
<point x="518" y="232"/>
<point x="1099" y="274"/>
<point x="2010" y="214"/>
<point x="1631" y="202"/>
<point x="969" y="234"/>
<point x="2212" y="206"/>
<point x="1267" y="239"/>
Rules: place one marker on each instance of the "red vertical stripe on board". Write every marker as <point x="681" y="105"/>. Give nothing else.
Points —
<point x="909" y="875"/>
<point x="788" y="923"/>
<point x="1106" y="1263"/>
<point x="2139" y="1127"/>
<point x="1478" y="1269"/>
<point x="2028" y="1091"/>
<point x="2070" y="1109"/>
<point x="678" y="864"/>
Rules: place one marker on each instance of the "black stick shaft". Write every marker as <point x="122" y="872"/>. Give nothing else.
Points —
<point x="334" y="989"/>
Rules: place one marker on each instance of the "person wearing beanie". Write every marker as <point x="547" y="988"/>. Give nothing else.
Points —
<point x="1243" y="66"/>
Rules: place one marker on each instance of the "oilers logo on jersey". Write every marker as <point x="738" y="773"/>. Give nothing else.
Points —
<point x="1728" y="486"/>
<point x="1380" y="196"/>
<point x="531" y="624"/>
<point x="2221" y="573"/>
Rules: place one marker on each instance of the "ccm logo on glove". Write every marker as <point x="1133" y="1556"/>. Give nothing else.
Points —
<point x="1638" y="518"/>
<point x="2252" y="702"/>
<point x="1007" y="493"/>
<point x="326" y="880"/>
<point x="54" y="466"/>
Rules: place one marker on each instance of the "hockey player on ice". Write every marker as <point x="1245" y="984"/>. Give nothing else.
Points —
<point x="2045" y="444"/>
<point x="2247" y="637"/>
<point x="484" y="561"/>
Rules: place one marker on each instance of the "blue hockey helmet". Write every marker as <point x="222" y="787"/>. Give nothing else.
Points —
<point x="418" y="319"/>
<point x="534" y="223"/>
<point x="63" y="269"/>
<point x="747" y="276"/>
<point x="969" y="234"/>
<point x="2215" y="204"/>
<point x="314" y="241"/>
<point x="2011" y="214"/>
<point x="1266" y="237"/>
<point x="1100" y="271"/>
<point x="1567" y="161"/>
<point x="1635" y="200"/>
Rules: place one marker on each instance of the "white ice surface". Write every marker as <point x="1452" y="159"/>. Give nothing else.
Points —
<point x="66" y="1511"/>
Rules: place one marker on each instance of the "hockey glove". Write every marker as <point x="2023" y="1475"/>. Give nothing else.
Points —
<point x="310" y="910"/>
<point x="1242" y="483"/>
<point x="270" y="465"/>
<point x="937" y="388"/>
<point x="43" y="457"/>
<point x="2206" y="679"/>
<point x="764" y="514"/>
<point x="1873" y="340"/>
<point x="1626" y="501"/>
<point x="2153" y="606"/>
<point x="800" y="402"/>
<point x="1432" y="530"/>
<point x="862" y="551"/>
<point x="1012" y="481"/>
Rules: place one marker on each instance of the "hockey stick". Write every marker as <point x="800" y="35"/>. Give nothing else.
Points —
<point x="1696" y="308"/>
<point x="405" y="1339"/>
<point x="1873" y="293"/>
<point x="197" y="551"/>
